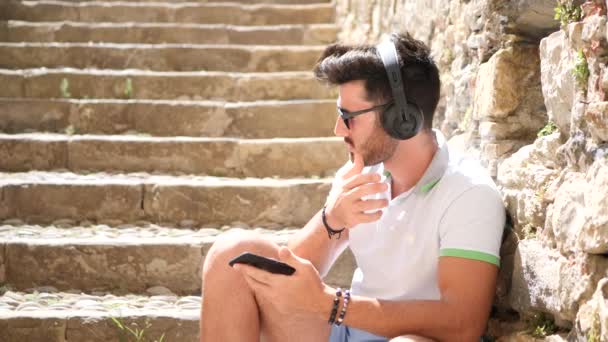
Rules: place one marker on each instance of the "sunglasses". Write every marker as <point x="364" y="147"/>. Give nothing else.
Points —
<point x="346" y="115"/>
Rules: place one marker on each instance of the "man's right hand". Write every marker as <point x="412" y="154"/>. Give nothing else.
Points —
<point x="347" y="208"/>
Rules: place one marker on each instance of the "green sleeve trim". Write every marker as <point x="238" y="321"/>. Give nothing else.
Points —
<point x="468" y="254"/>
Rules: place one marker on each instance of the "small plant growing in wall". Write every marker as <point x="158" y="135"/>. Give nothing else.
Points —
<point x="64" y="88"/>
<point x="594" y="333"/>
<point x="581" y="69"/>
<point x="128" y="334"/>
<point x="128" y="88"/>
<point x="566" y="12"/>
<point x="549" y="129"/>
<point x="542" y="325"/>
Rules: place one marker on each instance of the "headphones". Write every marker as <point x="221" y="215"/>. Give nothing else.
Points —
<point x="402" y="119"/>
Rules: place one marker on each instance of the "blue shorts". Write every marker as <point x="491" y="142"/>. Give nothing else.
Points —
<point x="345" y="333"/>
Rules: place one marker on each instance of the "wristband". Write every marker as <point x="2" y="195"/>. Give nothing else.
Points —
<point x="344" y="306"/>
<point x="334" y="310"/>
<point x="330" y="231"/>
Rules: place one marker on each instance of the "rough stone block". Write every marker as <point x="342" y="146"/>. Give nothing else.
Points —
<point x="32" y="329"/>
<point x="525" y="177"/>
<point x="102" y="328"/>
<point x="158" y="119"/>
<point x="20" y="115"/>
<point x="32" y="152"/>
<point x="592" y="318"/>
<point x="124" y="267"/>
<point x="13" y="84"/>
<point x="596" y="118"/>
<point x="152" y="155"/>
<point x="293" y="119"/>
<point x="545" y="280"/>
<point x="289" y="158"/>
<point x="509" y="81"/>
<point x="44" y="202"/>
<point x="558" y="83"/>
<point x="594" y="234"/>
<point x="268" y="204"/>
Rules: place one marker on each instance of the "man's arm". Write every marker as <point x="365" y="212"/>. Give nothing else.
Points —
<point x="344" y="209"/>
<point x="313" y="244"/>
<point x="467" y="289"/>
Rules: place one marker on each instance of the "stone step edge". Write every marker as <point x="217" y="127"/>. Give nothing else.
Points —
<point x="201" y="103"/>
<point x="58" y="137"/>
<point x="67" y="232"/>
<point x="109" y="45"/>
<point x="168" y="4"/>
<point x="31" y="72"/>
<point x="143" y="178"/>
<point x="22" y="23"/>
<point x="64" y="304"/>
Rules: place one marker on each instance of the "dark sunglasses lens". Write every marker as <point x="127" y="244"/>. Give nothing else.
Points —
<point x="346" y="123"/>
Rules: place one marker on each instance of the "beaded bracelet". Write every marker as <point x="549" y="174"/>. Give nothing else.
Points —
<point x="334" y="310"/>
<point x="344" y="306"/>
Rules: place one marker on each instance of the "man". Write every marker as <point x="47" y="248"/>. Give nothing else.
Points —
<point x="424" y="225"/>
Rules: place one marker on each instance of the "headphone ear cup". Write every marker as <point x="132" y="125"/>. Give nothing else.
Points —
<point x="390" y="118"/>
<point x="397" y="126"/>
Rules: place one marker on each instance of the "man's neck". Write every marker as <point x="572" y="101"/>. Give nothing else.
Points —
<point x="410" y="161"/>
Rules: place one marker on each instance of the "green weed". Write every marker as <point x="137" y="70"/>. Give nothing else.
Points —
<point x="542" y="325"/>
<point x="128" y="88"/>
<point x="64" y="88"/>
<point x="549" y="129"/>
<point x="566" y="12"/>
<point x="581" y="69"/>
<point x="128" y="334"/>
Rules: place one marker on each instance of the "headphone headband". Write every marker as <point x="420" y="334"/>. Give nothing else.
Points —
<point x="388" y="53"/>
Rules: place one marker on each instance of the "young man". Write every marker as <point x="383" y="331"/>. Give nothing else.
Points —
<point x="424" y="225"/>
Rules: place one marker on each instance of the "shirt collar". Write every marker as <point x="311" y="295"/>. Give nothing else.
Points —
<point x="436" y="168"/>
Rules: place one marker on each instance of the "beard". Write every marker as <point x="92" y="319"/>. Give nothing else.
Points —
<point x="378" y="148"/>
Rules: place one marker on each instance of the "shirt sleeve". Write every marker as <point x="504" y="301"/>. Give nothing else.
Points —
<point x="473" y="224"/>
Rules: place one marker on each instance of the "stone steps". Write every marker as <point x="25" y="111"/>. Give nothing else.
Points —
<point x="43" y="197"/>
<point x="76" y="317"/>
<point x="122" y="260"/>
<point x="159" y="57"/>
<point x="137" y="84"/>
<point x="226" y="157"/>
<point x="250" y="2"/>
<point x="201" y="13"/>
<point x="254" y="120"/>
<point x="157" y="33"/>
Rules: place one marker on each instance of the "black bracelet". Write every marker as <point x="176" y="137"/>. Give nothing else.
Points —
<point x="330" y="231"/>
<point x="334" y="310"/>
<point x="344" y="306"/>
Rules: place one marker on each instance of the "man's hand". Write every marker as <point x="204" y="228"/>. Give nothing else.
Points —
<point x="302" y="292"/>
<point x="347" y="209"/>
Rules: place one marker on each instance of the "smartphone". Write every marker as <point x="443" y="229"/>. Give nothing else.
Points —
<point x="263" y="263"/>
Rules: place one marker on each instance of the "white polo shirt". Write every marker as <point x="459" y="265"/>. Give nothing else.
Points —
<point x="454" y="210"/>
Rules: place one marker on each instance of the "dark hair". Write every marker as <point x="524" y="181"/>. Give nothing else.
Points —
<point x="340" y="64"/>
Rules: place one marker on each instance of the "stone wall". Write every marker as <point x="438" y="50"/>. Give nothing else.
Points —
<point x="527" y="95"/>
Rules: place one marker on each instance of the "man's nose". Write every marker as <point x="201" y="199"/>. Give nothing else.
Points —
<point x="340" y="129"/>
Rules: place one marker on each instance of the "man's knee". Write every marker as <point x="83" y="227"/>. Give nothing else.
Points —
<point x="232" y="244"/>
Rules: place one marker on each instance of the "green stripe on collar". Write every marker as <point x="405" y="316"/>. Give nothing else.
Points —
<point x="428" y="186"/>
<point x="468" y="254"/>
